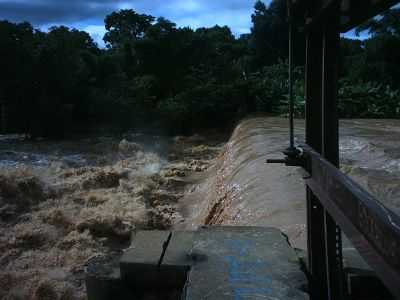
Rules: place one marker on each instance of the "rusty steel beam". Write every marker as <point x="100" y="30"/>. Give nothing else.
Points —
<point x="330" y="143"/>
<point x="317" y="16"/>
<point x="315" y="212"/>
<point x="324" y="237"/>
<point x="356" y="12"/>
<point x="353" y="12"/>
<point x="373" y="229"/>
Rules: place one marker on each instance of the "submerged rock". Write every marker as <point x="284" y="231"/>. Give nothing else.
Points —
<point x="8" y="212"/>
<point x="82" y="240"/>
<point x="129" y="148"/>
<point x="101" y="179"/>
<point x="27" y="237"/>
<point x="57" y="218"/>
<point x="52" y="290"/>
<point x="106" y="226"/>
<point x="19" y="191"/>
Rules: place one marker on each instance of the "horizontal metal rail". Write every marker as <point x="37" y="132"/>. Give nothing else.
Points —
<point x="373" y="229"/>
<point x="353" y="12"/>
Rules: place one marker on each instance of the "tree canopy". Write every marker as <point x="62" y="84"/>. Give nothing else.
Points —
<point x="153" y="73"/>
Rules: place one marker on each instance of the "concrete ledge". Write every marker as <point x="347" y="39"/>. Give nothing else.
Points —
<point x="138" y="265"/>
<point x="220" y="262"/>
<point x="213" y="263"/>
<point x="244" y="263"/>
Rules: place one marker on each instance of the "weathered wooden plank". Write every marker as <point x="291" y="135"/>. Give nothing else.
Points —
<point x="373" y="229"/>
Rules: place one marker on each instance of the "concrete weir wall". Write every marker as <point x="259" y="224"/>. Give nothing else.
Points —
<point x="241" y="189"/>
<point x="230" y="245"/>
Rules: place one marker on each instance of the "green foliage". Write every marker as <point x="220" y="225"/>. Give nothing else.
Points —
<point x="46" y="78"/>
<point x="269" y="34"/>
<point x="155" y="73"/>
<point x="125" y="27"/>
<point x="270" y="88"/>
<point x="368" y="100"/>
<point x="205" y="106"/>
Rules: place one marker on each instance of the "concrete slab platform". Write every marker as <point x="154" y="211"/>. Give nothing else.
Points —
<point x="244" y="263"/>
<point x="216" y="263"/>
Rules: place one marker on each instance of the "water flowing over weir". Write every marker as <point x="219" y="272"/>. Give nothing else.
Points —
<point x="64" y="202"/>
<point x="241" y="189"/>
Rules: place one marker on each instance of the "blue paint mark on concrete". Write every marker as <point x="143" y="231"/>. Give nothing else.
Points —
<point x="243" y="292"/>
<point x="241" y="246"/>
<point x="246" y="272"/>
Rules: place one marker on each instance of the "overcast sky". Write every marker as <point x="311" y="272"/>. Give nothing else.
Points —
<point x="88" y="15"/>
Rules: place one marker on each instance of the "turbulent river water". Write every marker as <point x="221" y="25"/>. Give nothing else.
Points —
<point x="244" y="190"/>
<point x="62" y="203"/>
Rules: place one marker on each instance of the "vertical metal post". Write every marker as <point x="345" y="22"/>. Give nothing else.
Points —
<point x="315" y="212"/>
<point x="330" y="145"/>
<point x="3" y="115"/>
<point x="291" y="100"/>
<point x="324" y="237"/>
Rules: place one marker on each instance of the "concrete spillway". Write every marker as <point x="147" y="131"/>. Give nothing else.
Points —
<point x="224" y="262"/>
<point x="241" y="189"/>
<point x="207" y="261"/>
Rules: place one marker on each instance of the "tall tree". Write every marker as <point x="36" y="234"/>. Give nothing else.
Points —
<point x="124" y="29"/>
<point x="270" y="31"/>
<point x="63" y="78"/>
<point x="382" y="55"/>
<point x="125" y="26"/>
<point x="17" y="80"/>
<point x="269" y="34"/>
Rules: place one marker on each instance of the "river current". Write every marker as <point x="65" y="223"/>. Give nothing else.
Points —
<point x="62" y="203"/>
<point x="243" y="190"/>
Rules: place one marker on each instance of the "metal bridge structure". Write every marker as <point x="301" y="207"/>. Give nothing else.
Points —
<point x="335" y="203"/>
<point x="256" y="263"/>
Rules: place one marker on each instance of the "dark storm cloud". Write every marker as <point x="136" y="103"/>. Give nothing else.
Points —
<point x="41" y="12"/>
<point x="89" y="14"/>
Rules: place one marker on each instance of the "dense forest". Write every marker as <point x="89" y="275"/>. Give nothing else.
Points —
<point x="155" y="74"/>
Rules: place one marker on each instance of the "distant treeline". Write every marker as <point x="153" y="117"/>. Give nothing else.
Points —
<point x="152" y="73"/>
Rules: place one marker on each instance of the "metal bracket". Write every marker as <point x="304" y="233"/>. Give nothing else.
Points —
<point x="294" y="157"/>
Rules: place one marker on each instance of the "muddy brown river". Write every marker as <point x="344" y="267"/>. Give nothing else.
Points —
<point x="62" y="203"/>
<point x="242" y="189"/>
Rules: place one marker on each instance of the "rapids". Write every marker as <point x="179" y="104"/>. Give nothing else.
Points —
<point x="62" y="203"/>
